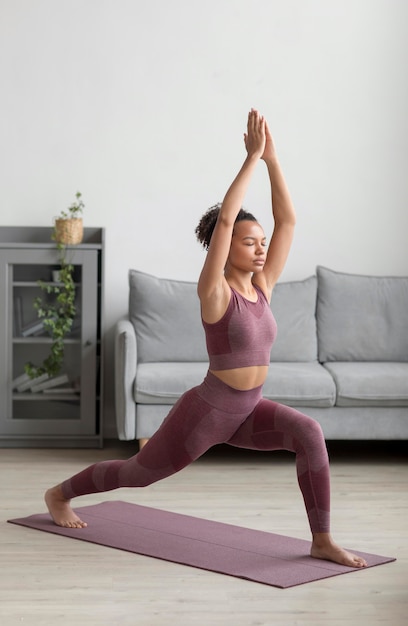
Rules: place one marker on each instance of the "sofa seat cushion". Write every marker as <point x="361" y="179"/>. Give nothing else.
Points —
<point x="370" y="384"/>
<point x="164" y="383"/>
<point x="300" y="384"/>
<point x="296" y="384"/>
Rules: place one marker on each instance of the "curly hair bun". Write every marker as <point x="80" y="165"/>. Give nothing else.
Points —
<point x="205" y="227"/>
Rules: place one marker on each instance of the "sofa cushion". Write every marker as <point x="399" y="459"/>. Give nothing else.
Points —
<point x="166" y="317"/>
<point x="294" y="307"/>
<point x="163" y="383"/>
<point x="296" y="384"/>
<point x="361" y="318"/>
<point x="300" y="384"/>
<point x="370" y="384"/>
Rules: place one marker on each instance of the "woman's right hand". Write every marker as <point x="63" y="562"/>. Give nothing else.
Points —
<point x="255" y="137"/>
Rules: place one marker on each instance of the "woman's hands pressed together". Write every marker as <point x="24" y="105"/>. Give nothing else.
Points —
<point x="255" y="137"/>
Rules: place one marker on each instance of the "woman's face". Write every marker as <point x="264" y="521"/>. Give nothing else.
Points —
<point x="248" y="246"/>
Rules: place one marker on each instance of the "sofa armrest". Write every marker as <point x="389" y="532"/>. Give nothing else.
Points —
<point x="125" y="374"/>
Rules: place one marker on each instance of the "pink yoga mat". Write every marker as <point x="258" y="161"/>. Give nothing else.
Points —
<point x="251" y="554"/>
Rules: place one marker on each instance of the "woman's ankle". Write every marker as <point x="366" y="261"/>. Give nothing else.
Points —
<point x="322" y="539"/>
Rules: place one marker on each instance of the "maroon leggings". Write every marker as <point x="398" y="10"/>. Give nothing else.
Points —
<point x="215" y="413"/>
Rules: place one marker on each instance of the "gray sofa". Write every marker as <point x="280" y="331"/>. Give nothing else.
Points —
<point x="341" y="354"/>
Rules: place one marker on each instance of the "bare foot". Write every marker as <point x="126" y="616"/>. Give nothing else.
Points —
<point x="323" y="547"/>
<point x="60" y="509"/>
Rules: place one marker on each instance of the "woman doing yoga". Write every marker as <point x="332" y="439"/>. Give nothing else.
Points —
<point x="234" y="288"/>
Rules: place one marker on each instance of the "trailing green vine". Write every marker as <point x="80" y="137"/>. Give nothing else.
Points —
<point x="56" y="307"/>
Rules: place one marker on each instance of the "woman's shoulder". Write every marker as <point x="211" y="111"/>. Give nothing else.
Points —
<point x="215" y="306"/>
<point x="262" y="290"/>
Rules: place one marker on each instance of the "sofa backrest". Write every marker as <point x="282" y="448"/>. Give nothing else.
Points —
<point x="361" y="318"/>
<point x="166" y="316"/>
<point x="167" y="320"/>
<point x="294" y="307"/>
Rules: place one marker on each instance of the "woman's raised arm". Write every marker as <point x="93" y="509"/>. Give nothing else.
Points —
<point x="284" y="219"/>
<point x="212" y="286"/>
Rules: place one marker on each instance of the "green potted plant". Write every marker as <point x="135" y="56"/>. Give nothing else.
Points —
<point x="56" y="308"/>
<point x="68" y="225"/>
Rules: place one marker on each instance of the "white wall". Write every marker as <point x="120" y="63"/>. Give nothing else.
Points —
<point x="142" y="106"/>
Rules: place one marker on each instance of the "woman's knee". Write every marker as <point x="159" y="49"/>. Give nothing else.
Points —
<point x="314" y="428"/>
<point x="300" y="426"/>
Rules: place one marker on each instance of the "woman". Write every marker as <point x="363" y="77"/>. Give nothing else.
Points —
<point x="234" y="288"/>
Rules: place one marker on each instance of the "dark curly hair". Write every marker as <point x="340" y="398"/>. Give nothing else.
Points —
<point x="206" y="224"/>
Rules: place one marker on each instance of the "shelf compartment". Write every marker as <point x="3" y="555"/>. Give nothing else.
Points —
<point x="55" y="410"/>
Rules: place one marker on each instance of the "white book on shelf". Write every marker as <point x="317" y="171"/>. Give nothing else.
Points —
<point x="32" y="329"/>
<point x="56" y="381"/>
<point x="31" y="382"/>
<point x="23" y="378"/>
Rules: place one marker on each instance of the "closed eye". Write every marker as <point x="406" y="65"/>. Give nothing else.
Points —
<point x="250" y="242"/>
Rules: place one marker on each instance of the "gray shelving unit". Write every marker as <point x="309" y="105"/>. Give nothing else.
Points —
<point x="61" y="417"/>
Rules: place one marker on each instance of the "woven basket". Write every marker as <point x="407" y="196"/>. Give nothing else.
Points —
<point x="69" y="231"/>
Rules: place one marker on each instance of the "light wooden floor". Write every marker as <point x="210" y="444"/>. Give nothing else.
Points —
<point x="46" y="580"/>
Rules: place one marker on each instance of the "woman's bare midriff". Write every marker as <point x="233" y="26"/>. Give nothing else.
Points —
<point x="243" y="378"/>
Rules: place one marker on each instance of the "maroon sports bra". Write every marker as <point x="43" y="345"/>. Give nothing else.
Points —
<point x="243" y="336"/>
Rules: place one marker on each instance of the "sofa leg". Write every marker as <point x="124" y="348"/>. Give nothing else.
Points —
<point x="143" y="442"/>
